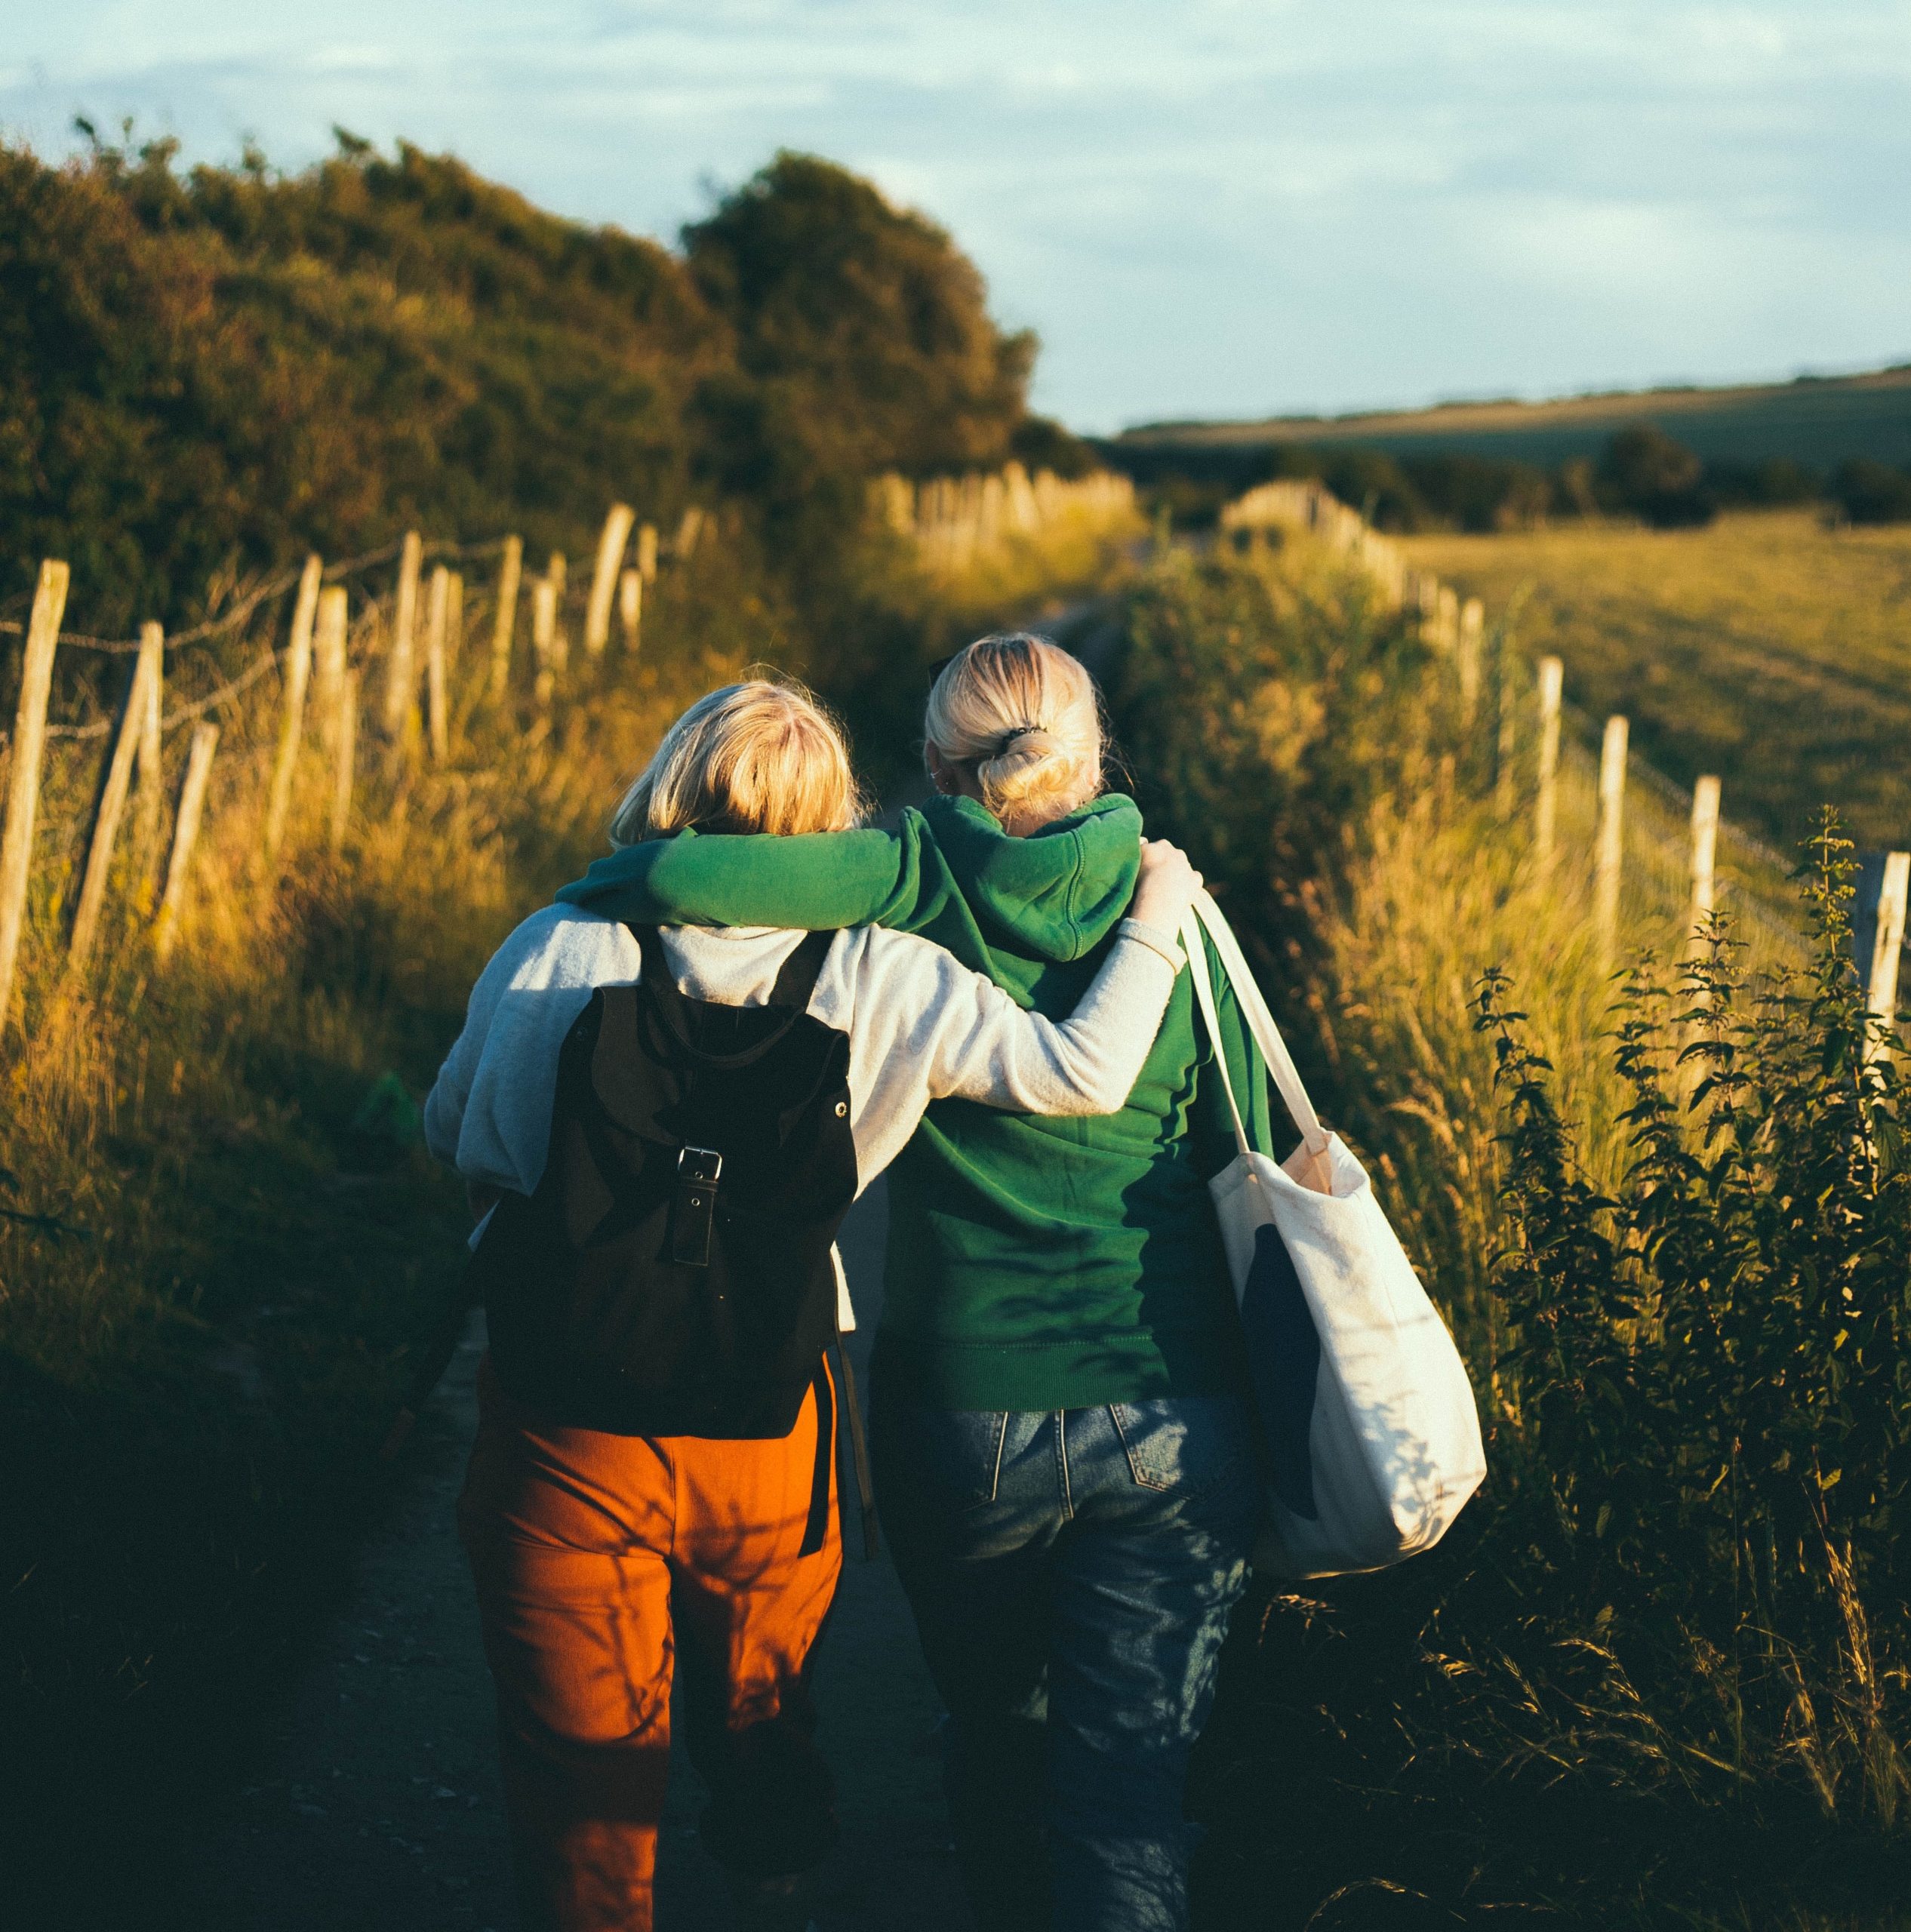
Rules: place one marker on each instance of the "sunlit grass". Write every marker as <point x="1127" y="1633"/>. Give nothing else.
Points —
<point x="1768" y="648"/>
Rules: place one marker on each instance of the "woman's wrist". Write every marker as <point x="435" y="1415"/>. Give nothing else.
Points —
<point x="1157" y="938"/>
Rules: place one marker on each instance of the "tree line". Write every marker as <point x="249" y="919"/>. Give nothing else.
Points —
<point x="205" y="371"/>
<point x="1641" y="471"/>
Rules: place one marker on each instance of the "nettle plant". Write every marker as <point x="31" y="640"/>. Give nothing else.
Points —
<point x="1709" y="1401"/>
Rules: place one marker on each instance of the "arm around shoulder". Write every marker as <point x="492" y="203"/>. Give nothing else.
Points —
<point x="983" y="1047"/>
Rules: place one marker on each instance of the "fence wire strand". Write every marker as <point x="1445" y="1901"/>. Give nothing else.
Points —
<point x="241" y="612"/>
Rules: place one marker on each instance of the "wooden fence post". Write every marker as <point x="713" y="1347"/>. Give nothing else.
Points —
<point x="1705" y="851"/>
<point x="185" y="832"/>
<point x="1507" y="749"/>
<point x="1881" y="991"/>
<point x="346" y="732"/>
<point x="1426" y="604"/>
<point x="1446" y="621"/>
<point x="604" y="580"/>
<point x="291" y="727"/>
<point x="543" y="638"/>
<point x="557" y="577"/>
<point x="647" y="553"/>
<point x="23" y="782"/>
<point x="507" y="616"/>
<point x="688" y="530"/>
<point x="1552" y="677"/>
<point x="112" y="804"/>
<point x="328" y="652"/>
<point x="152" y="658"/>
<point x="1472" y="631"/>
<point x="1612" y="831"/>
<point x="435" y="623"/>
<point x="455" y="621"/>
<point x="630" y="606"/>
<point x="401" y="696"/>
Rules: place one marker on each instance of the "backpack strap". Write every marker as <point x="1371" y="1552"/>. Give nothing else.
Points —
<point x="816" y="1526"/>
<point x="797" y="981"/>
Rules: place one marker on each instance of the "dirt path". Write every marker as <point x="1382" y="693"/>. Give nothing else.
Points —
<point x="382" y="1811"/>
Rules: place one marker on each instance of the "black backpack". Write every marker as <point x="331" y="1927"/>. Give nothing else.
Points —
<point x="672" y="1274"/>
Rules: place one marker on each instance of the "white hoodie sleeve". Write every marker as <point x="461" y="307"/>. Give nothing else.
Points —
<point x="489" y="1114"/>
<point x="924" y="1027"/>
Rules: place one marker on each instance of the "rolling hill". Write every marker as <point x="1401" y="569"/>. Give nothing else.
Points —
<point x="1817" y="421"/>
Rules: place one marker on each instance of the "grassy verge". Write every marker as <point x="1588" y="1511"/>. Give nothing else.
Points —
<point x="1657" y="1674"/>
<point x="223" y="1236"/>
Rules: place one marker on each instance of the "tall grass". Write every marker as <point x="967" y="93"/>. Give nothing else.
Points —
<point x="1661" y="1662"/>
<point x="220" y="1235"/>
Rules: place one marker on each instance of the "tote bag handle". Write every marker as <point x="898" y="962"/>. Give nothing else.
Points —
<point x="1207" y="915"/>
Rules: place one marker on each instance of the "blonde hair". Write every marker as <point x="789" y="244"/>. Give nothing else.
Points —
<point x="1023" y="714"/>
<point x="754" y="757"/>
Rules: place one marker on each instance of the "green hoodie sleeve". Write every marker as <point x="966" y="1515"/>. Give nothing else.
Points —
<point x="815" y="880"/>
<point x="951" y="874"/>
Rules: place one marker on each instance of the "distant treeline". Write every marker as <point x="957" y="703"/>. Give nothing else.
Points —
<point x="1642" y="472"/>
<point x="204" y="373"/>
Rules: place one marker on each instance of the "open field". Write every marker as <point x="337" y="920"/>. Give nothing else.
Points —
<point x="1768" y="649"/>
<point x="1818" y="422"/>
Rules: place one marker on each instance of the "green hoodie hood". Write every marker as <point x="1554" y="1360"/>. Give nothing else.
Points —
<point x="1055" y="895"/>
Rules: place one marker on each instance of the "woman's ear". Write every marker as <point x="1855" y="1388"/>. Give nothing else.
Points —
<point x="952" y="779"/>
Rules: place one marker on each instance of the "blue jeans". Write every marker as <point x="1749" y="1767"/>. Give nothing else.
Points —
<point x="1071" y="1573"/>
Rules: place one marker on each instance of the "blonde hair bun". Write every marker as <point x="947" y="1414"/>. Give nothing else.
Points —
<point x="1023" y="714"/>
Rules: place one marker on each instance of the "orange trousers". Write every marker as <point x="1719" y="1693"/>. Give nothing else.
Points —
<point x="606" y="1564"/>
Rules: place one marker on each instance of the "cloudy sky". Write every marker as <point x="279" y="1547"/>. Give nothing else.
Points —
<point x="1205" y="207"/>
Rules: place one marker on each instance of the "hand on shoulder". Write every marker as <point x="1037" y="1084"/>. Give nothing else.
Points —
<point x="1167" y="886"/>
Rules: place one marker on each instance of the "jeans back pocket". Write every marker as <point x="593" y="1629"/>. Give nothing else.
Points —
<point x="957" y="1453"/>
<point x="1184" y="1444"/>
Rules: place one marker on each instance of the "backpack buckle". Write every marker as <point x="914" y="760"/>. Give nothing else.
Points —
<point x="694" y="1207"/>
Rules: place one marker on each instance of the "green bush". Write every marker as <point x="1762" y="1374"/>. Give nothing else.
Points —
<point x="206" y="373"/>
<point x="1643" y="470"/>
<point x="1869" y="492"/>
<point x="1773" y="483"/>
<point x="1714" y="1364"/>
<point x="1476" y="493"/>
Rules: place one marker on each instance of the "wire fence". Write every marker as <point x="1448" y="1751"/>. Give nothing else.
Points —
<point x="246" y="606"/>
<point x="436" y="656"/>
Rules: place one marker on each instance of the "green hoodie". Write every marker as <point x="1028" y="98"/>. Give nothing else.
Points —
<point x="1032" y="1263"/>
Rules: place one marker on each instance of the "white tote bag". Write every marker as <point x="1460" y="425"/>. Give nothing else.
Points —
<point x="1372" y="1433"/>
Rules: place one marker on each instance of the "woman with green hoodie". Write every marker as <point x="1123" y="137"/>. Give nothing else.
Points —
<point x="1064" y="1452"/>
